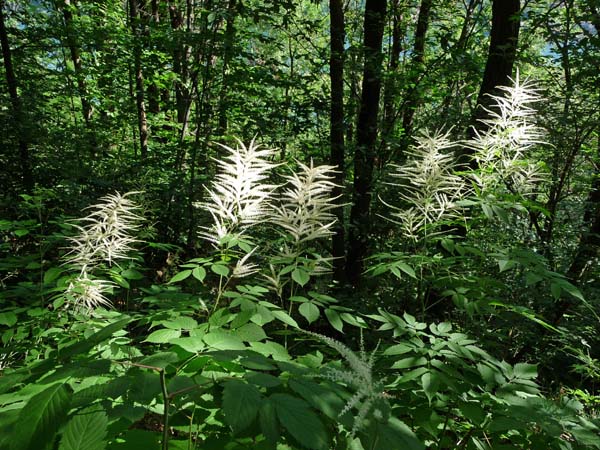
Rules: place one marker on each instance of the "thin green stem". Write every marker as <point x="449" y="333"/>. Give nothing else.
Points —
<point x="166" y="400"/>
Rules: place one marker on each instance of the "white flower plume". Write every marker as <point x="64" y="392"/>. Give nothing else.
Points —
<point x="239" y="196"/>
<point x="427" y="184"/>
<point x="105" y="237"/>
<point x="306" y="205"/>
<point x="501" y="151"/>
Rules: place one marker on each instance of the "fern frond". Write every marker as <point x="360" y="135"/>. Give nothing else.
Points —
<point x="359" y="376"/>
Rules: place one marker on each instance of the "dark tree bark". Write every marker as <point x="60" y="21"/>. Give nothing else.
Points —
<point x="412" y="97"/>
<point x="366" y="131"/>
<point x="135" y="24"/>
<point x="87" y="109"/>
<point x="228" y="44"/>
<point x="390" y="87"/>
<point x="180" y="60"/>
<point x="11" y="81"/>
<point x="336" y="73"/>
<point x="504" y="37"/>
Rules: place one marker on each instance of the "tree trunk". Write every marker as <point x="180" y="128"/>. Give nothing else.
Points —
<point x="366" y="131"/>
<point x="504" y="37"/>
<point x="139" y="77"/>
<point x="228" y="44"/>
<point x="336" y="73"/>
<point x="412" y="97"/>
<point x="390" y="89"/>
<point x="11" y="81"/>
<point x="86" y="108"/>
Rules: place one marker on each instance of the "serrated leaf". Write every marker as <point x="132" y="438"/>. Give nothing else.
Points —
<point x="163" y="336"/>
<point x="300" y="276"/>
<point x="309" y="311"/>
<point x="268" y="422"/>
<point x="250" y="332"/>
<point x="85" y="431"/>
<point x="303" y="424"/>
<point x="525" y="371"/>
<point x="181" y="323"/>
<point x="41" y="418"/>
<point x="321" y="398"/>
<point x="395" y="434"/>
<point x="180" y="276"/>
<point x="222" y="340"/>
<point x="241" y="402"/>
<point x="192" y="344"/>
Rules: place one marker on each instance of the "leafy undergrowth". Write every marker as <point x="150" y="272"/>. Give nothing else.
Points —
<point x="167" y="379"/>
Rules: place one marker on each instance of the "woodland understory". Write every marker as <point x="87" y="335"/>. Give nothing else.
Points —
<point x="294" y="224"/>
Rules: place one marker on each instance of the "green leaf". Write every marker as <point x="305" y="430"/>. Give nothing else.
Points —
<point x="268" y="421"/>
<point x="412" y="361"/>
<point x="525" y="371"/>
<point x="85" y="431"/>
<point x="309" y="311"/>
<point x="406" y="269"/>
<point x="303" y="424"/>
<point x="52" y="274"/>
<point x="192" y="344"/>
<point x="181" y="323"/>
<point x="321" y="398"/>
<point x="285" y="318"/>
<point x="222" y="340"/>
<point x="21" y="233"/>
<point x="181" y="276"/>
<point x="398" y="349"/>
<point x="163" y="336"/>
<point x="41" y="418"/>
<point x="250" y="332"/>
<point x="334" y="319"/>
<point x="220" y="269"/>
<point x="240" y="404"/>
<point x="395" y="434"/>
<point x="199" y="273"/>
<point x="95" y="339"/>
<point x="8" y="318"/>
<point x="132" y="274"/>
<point x="300" y="276"/>
<point x="430" y="382"/>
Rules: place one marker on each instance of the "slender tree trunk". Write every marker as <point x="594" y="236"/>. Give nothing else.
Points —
<point x="135" y="24"/>
<point x="390" y="88"/>
<point x="229" y="40"/>
<point x="364" y="157"/>
<point x="412" y="98"/>
<point x="180" y="61"/>
<point x="87" y="109"/>
<point x="504" y="37"/>
<point x="336" y="73"/>
<point x="11" y="81"/>
<point x="153" y="90"/>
